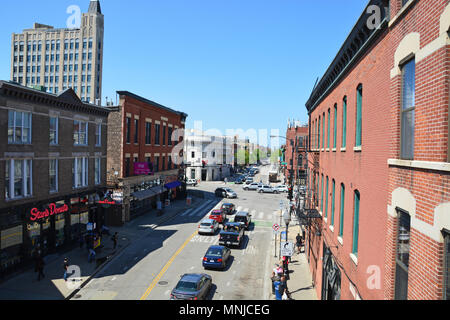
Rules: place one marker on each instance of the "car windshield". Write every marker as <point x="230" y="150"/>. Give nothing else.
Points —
<point x="205" y="224"/>
<point x="214" y="252"/>
<point x="228" y="190"/>
<point x="186" y="286"/>
<point x="239" y="219"/>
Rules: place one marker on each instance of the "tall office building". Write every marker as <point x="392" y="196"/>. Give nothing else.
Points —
<point x="62" y="58"/>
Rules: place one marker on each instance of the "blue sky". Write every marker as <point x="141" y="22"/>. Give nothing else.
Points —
<point x="235" y="64"/>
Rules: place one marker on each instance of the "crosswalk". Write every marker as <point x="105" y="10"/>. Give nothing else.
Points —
<point x="208" y="206"/>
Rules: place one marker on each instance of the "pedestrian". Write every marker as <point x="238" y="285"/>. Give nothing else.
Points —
<point x="274" y="278"/>
<point x="91" y="255"/>
<point x="286" y="266"/>
<point x="283" y="288"/>
<point x="277" y="287"/>
<point x="66" y="268"/>
<point x="40" y="267"/>
<point x="114" y="239"/>
<point x="298" y="238"/>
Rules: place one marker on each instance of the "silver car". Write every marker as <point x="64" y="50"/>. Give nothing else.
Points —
<point x="267" y="189"/>
<point x="208" y="226"/>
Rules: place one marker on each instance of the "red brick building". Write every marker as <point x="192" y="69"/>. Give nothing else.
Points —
<point x="379" y="172"/>
<point x="141" y="137"/>
<point x="295" y="153"/>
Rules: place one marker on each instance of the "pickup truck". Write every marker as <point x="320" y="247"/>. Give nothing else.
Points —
<point x="232" y="234"/>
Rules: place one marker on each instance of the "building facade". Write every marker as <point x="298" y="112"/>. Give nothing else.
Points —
<point x="53" y="172"/>
<point x="62" y="58"/>
<point x="296" y="164"/>
<point x="208" y="157"/>
<point x="378" y="161"/>
<point x="143" y="137"/>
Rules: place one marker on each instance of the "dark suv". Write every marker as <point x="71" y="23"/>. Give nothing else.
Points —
<point x="243" y="217"/>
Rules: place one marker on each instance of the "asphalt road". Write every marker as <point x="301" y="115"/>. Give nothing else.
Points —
<point x="150" y="267"/>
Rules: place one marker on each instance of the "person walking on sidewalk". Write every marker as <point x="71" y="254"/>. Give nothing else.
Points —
<point x="66" y="268"/>
<point x="40" y="267"/>
<point x="274" y="278"/>
<point x="284" y="289"/>
<point x="114" y="239"/>
<point x="299" y="240"/>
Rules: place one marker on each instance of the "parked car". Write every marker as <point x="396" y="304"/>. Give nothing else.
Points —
<point x="228" y="208"/>
<point x="208" y="226"/>
<point x="225" y="193"/>
<point x="216" y="257"/>
<point x="193" y="286"/>
<point x="192" y="182"/>
<point x="282" y="188"/>
<point x="232" y="234"/>
<point x="244" y="218"/>
<point x="248" y="180"/>
<point x="218" y="215"/>
<point x="252" y="186"/>
<point x="239" y="181"/>
<point x="267" y="189"/>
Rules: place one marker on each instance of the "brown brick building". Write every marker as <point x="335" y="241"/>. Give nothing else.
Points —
<point x="143" y="134"/>
<point x="295" y="153"/>
<point x="379" y="172"/>
<point x="52" y="171"/>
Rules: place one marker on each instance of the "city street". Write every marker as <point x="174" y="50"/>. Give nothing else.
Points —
<point x="149" y="268"/>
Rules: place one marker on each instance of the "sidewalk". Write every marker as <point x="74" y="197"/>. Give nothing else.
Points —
<point x="300" y="282"/>
<point x="25" y="286"/>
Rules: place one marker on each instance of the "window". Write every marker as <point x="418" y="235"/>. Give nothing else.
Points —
<point x="323" y="130"/>
<point x="148" y="133"/>
<point x="18" y="179"/>
<point x="98" y="134"/>
<point x="53" y="131"/>
<point x="344" y="123"/>
<point x="321" y="197"/>
<point x="341" y="214"/>
<point x="157" y="134"/>
<point x="326" y="200"/>
<point x="193" y="155"/>
<point x="169" y="165"/>
<point x="163" y="163"/>
<point x="19" y="127"/>
<point x="358" y="138"/>
<point x="318" y="134"/>
<point x="402" y="255"/>
<point x="97" y="170"/>
<point x="356" y="223"/>
<point x="80" y="172"/>
<point x="127" y="167"/>
<point x="164" y="135"/>
<point x="128" y="129"/>
<point x="53" y="175"/>
<point x="156" y="168"/>
<point x="408" y="110"/>
<point x="136" y="130"/>
<point x="446" y="265"/>
<point x="80" y="133"/>
<point x="328" y="128"/>
<point x="333" y="186"/>
<point x="335" y="127"/>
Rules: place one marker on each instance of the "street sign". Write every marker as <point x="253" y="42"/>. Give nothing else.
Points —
<point x="276" y="227"/>
<point x="287" y="249"/>
<point x="283" y="236"/>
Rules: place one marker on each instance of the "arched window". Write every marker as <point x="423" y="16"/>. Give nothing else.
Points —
<point x="357" y="198"/>
<point x="358" y="136"/>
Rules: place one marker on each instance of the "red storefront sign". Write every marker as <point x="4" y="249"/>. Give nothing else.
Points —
<point x="52" y="210"/>
<point x="141" y="168"/>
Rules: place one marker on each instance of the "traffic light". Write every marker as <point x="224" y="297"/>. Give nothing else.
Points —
<point x="290" y="196"/>
<point x="203" y="164"/>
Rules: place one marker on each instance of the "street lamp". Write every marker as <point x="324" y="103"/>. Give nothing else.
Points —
<point x="287" y="220"/>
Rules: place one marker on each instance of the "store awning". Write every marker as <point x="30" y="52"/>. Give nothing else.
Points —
<point x="141" y="195"/>
<point x="173" y="185"/>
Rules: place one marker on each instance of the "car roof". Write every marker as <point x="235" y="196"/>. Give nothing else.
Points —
<point x="192" y="277"/>
<point x="215" y="247"/>
<point x="241" y="213"/>
<point x="216" y="211"/>
<point x="208" y="221"/>
<point x="228" y="204"/>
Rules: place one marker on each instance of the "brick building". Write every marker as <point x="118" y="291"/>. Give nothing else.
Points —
<point x="141" y="137"/>
<point x="379" y="160"/>
<point x="295" y="153"/>
<point x="52" y="171"/>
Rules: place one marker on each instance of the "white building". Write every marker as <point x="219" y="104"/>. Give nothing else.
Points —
<point x="208" y="158"/>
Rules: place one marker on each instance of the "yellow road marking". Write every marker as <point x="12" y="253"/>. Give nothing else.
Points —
<point x="163" y="271"/>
